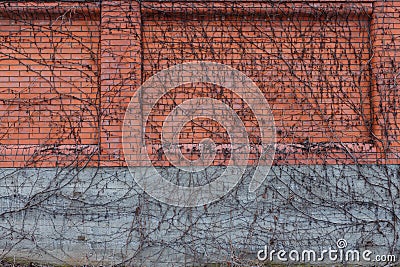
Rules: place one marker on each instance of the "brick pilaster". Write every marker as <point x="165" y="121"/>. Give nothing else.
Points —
<point x="120" y="74"/>
<point x="385" y="63"/>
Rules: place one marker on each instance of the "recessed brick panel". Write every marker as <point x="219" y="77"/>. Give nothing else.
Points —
<point x="49" y="84"/>
<point x="312" y="68"/>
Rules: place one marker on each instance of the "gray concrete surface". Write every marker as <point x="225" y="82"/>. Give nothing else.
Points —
<point x="100" y="216"/>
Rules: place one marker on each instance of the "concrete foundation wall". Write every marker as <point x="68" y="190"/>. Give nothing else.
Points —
<point x="101" y="216"/>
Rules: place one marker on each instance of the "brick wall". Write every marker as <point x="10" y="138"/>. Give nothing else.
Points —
<point x="385" y="67"/>
<point x="328" y="69"/>
<point x="49" y="62"/>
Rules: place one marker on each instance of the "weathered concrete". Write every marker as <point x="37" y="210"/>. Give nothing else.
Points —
<point x="101" y="216"/>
